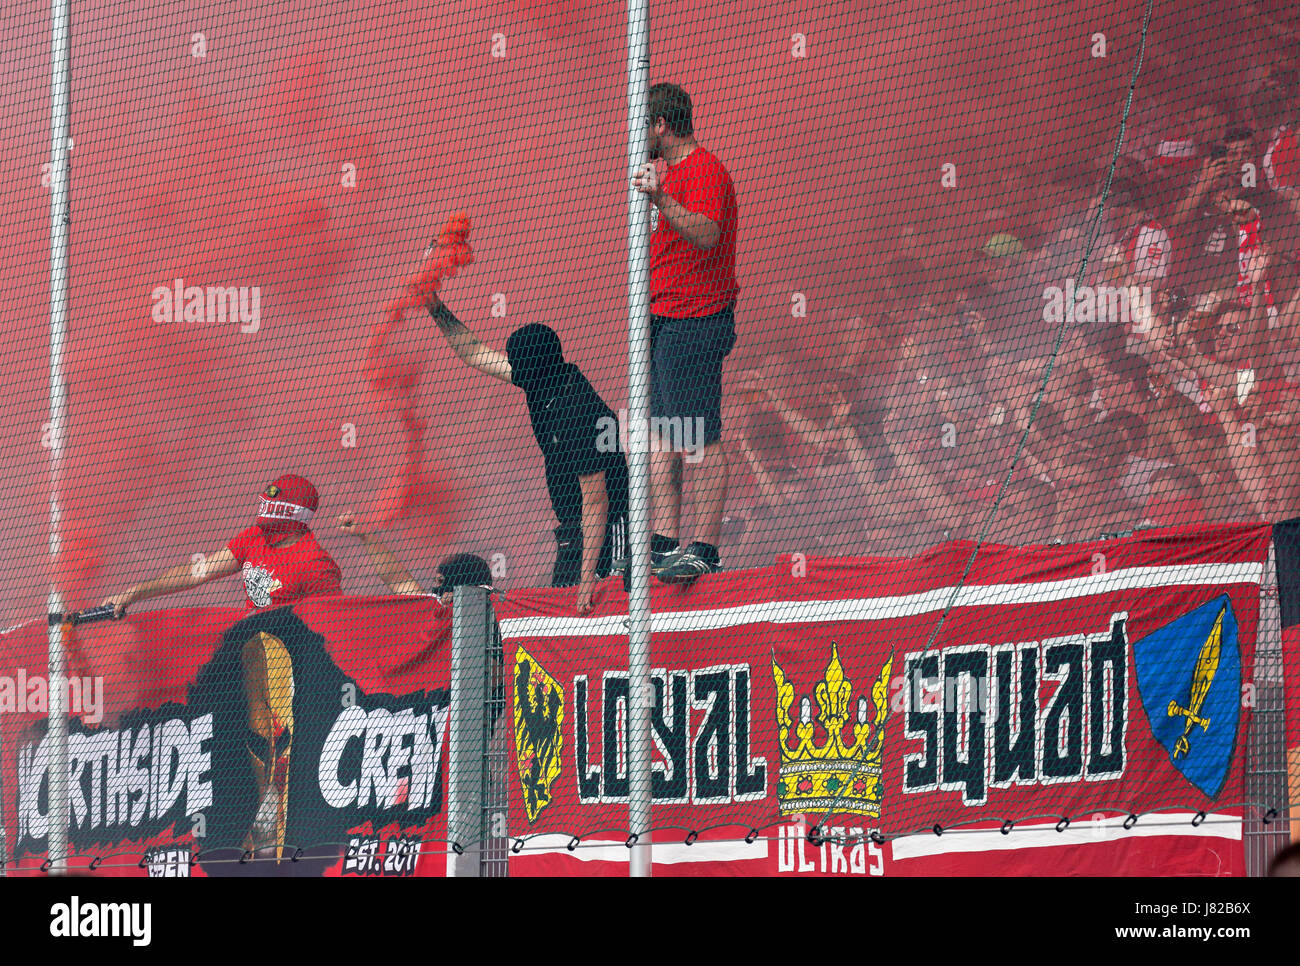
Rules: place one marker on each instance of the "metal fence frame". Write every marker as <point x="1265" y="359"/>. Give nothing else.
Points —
<point x="477" y="747"/>
<point x="1265" y="829"/>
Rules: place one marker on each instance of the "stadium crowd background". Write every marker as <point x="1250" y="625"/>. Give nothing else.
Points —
<point x="918" y="182"/>
<point x="1173" y="399"/>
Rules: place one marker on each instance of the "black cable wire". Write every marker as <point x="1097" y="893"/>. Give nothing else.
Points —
<point x="1047" y="375"/>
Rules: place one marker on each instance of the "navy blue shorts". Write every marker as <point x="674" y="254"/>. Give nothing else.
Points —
<point x="686" y="371"/>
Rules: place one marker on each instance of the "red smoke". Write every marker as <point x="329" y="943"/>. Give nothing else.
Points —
<point x="148" y="388"/>
<point x="394" y="378"/>
<point x="311" y="173"/>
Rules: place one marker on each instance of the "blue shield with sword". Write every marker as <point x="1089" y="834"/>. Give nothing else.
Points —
<point x="1189" y="679"/>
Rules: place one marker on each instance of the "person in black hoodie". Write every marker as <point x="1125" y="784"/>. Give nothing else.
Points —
<point x="586" y="474"/>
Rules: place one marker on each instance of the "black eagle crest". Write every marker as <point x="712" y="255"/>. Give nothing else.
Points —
<point x="538" y="708"/>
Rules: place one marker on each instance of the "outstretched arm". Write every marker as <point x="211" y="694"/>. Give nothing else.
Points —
<point x="771" y="495"/>
<point x="1213" y="171"/>
<point x="808" y="430"/>
<point x="181" y="577"/>
<point x="466" y="344"/>
<point x="1252" y="475"/>
<point x="390" y="569"/>
<point x="595" y="514"/>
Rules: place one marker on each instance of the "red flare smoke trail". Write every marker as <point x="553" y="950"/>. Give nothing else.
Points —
<point x="394" y="380"/>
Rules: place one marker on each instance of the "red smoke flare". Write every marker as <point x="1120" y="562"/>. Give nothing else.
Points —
<point x="394" y="379"/>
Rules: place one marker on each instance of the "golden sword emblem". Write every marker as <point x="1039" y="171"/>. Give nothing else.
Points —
<point x="1207" y="665"/>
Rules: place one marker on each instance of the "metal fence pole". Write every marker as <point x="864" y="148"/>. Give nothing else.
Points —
<point x="497" y="760"/>
<point x="640" y="695"/>
<point x="4" y="832"/>
<point x="60" y="208"/>
<point x="1266" y="779"/>
<point x="467" y="741"/>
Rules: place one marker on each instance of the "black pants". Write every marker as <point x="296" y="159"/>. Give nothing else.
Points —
<point x="686" y="371"/>
<point x="568" y="552"/>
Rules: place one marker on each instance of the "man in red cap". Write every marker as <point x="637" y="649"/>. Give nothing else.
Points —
<point x="279" y="557"/>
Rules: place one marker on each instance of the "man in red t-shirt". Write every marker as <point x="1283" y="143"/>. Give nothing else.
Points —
<point x="279" y="557"/>
<point x="692" y="329"/>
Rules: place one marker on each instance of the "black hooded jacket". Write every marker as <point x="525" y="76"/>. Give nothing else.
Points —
<point x="571" y="423"/>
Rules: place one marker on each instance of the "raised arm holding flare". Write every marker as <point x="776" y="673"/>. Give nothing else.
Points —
<point x="586" y="475"/>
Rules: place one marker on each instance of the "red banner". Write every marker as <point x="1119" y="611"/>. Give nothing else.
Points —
<point x="1082" y="710"/>
<point x="306" y="740"/>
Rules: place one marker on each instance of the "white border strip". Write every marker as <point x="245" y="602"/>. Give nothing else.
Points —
<point x="10" y="630"/>
<point x="921" y="846"/>
<point x="665" y="853"/>
<point x="893" y="607"/>
<point x="1175" y="824"/>
<point x="1081" y="832"/>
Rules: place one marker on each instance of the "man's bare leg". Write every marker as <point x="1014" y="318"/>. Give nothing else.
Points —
<point x="709" y="492"/>
<point x="666" y="493"/>
<point x="708" y="500"/>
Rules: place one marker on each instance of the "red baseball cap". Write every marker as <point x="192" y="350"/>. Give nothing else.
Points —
<point x="287" y="504"/>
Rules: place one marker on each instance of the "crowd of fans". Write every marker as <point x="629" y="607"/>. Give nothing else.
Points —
<point x="1174" y="397"/>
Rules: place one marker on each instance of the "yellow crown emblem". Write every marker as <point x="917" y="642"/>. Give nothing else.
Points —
<point x="831" y="773"/>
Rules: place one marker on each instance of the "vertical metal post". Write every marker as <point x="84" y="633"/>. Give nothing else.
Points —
<point x="467" y="741"/>
<point x="1266" y="778"/>
<point x="640" y="695"/>
<point x="496" y="762"/>
<point x="4" y="833"/>
<point x="60" y="220"/>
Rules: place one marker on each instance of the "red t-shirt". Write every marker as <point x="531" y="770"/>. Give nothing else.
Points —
<point x="1282" y="159"/>
<point x="688" y="282"/>
<point x="1147" y="250"/>
<point x="281" y="575"/>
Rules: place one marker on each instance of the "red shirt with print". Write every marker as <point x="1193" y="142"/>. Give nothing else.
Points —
<point x="688" y="282"/>
<point x="281" y="575"/>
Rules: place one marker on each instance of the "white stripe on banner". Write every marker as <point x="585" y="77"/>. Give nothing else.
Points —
<point x="1082" y="832"/>
<point x="23" y="624"/>
<point x="665" y="853"/>
<point x="921" y="846"/>
<point x="892" y="608"/>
